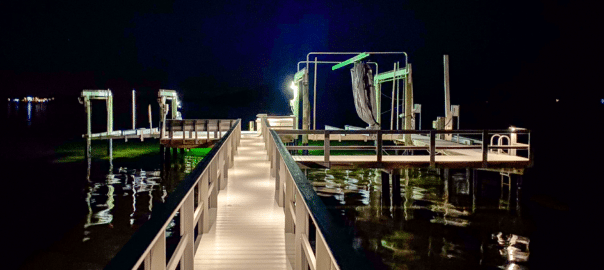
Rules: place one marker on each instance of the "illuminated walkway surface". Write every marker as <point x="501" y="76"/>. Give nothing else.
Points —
<point x="249" y="232"/>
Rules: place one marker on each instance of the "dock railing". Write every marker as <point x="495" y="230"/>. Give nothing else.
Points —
<point x="195" y="201"/>
<point x="191" y="129"/>
<point x="320" y="244"/>
<point x="493" y="138"/>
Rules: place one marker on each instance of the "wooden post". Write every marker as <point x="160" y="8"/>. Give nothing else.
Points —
<point x="314" y="103"/>
<point x="409" y="106"/>
<point x="398" y="99"/>
<point x="475" y="189"/>
<point x="448" y="114"/>
<point x="326" y="146"/>
<point x="150" y="121"/>
<point x="110" y="123"/>
<point x="396" y="187"/>
<point x="385" y="193"/>
<point x="133" y="109"/>
<point x="485" y="147"/>
<point x="207" y="128"/>
<point x="432" y="148"/>
<point x="305" y="108"/>
<point x="379" y="144"/>
<point x="195" y="128"/>
<point x="88" y="106"/>
<point x="392" y="103"/>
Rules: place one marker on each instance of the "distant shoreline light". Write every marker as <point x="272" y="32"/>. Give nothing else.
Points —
<point x="32" y="99"/>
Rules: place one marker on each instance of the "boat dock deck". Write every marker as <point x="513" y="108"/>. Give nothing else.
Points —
<point x="249" y="232"/>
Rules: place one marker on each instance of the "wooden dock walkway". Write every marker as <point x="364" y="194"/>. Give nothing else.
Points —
<point x="249" y="232"/>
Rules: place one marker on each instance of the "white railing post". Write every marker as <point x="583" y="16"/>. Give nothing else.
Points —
<point x="220" y="163"/>
<point x="225" y="168"/>
<point x="187" y="214"/>
<point x="323" y="258"/>
<point x="301" y="232"/>
<point x="289" y="202"/>
<point x="278" y="179"/>
<point x="157" y="257"/>
<point x="213" y="178"/>
<point x="204" y="194"/>
<point x="233" y="143"/>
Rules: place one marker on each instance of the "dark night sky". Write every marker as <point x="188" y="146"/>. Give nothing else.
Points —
<point x="246" y="51"/>
<point x="236" y="59"/>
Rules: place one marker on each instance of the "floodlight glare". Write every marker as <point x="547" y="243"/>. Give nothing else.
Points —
<point x="294" y="87"/>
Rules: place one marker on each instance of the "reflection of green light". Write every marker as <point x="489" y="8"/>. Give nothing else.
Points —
<point x="74" y="151"/>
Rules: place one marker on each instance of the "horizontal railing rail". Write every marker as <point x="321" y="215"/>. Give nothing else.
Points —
<point x="197" y="212"/>
<point x="431" y="137"/>
<point x="304" y="211"/>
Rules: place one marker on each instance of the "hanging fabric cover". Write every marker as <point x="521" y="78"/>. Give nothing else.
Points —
<point x="363" y="91"/>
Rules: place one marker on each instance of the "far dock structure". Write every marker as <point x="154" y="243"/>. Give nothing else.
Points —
<point x="248" y="203"/>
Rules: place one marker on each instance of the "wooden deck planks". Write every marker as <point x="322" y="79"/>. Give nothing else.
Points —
<point x="249" y="232"/>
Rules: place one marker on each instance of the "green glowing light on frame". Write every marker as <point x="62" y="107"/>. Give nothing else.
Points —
<point x="351" y="60"/>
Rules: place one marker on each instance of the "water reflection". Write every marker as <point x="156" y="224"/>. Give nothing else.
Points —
<point x="123" y="199"/>
<point x="29" y="113"/>
<point x="429" y="219"/>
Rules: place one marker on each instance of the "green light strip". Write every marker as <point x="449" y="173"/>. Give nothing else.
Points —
<point x="390" y="75"/>
<point x="298" y="76"/>
<point x="351" y="60"/>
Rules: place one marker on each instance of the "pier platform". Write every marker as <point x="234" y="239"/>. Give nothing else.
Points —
<point x="249" y="232"/>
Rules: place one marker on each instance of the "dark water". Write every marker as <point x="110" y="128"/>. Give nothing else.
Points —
<point x="46" y="204"/>
<point x="69" y="213"/>
<point x="435" y="218"/>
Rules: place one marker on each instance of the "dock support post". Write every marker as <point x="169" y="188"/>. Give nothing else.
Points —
<point x="326" y="147"/>
<point x="305" y="110"/>
<point x="398" y="99"/>
<point x="386" y="193"/>
<point x="448" y="114"/>
<point x="88" y="106"/>
<point x="518" y="182"/>
<point x="485" y="148"/>
<point x="432" y="148"/>
<point x="379" y="146"/>
<point x="409" y="114"/>
<point x="314" y="103"/>
<point x="110" y="127"/>
<point x="392" y="98"/>
<point x="396" y="187"/>
<point x="475" y="189"/>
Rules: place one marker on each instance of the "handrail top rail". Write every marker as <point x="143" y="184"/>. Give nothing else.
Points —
<point x="141" y="241"/>
<point x="201" y="119"/>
